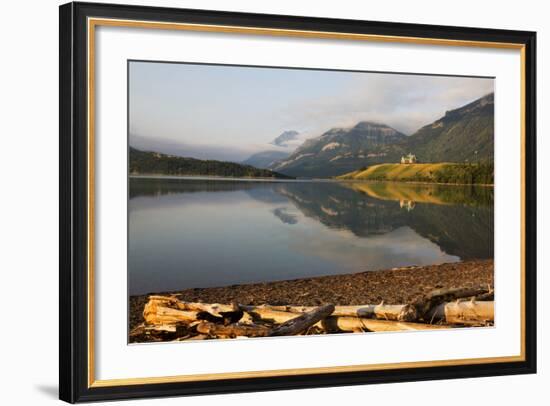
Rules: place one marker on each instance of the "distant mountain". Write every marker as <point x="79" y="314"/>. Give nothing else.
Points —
<point x="283" y="139"/>
<point x="154" y="163"/>
<point x="265" y="159"/>
<point x="342" y="150"/>
<point x="465" y="134"/>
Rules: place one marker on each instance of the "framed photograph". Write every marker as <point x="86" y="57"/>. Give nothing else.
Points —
<point x="255" y="202"/>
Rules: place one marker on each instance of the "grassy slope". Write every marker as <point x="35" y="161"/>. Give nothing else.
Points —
<point x="442" y="172"/>
<point x="397" y="172"/>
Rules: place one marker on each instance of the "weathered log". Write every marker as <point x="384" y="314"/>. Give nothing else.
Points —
<point x="438" y="296"/>
<point x="233" y="330"/>
<point x="155" y="312"/>
<point x="214" y="312"/>
<point x="169" y="315"/>
<point x="357" y="324"/>
<point x="464" y="312"/>
<point x="163" y="332"/>
<point x="161" y="328"/>
<point x="303" y="322"/>
<point x="157" y="328"/>
<point x="457" y="293"/>
<point x="215" y="309"/>
<point x="271" y="316"/>
<point x="381" y="311"/>
<point x="343" y="323"/>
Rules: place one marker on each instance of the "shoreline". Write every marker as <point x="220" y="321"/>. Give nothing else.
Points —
<point x="393" y="286"/>
<point x="210" y="177"/>
<point x="414" y="182"/>
<point x="263" y="179"/>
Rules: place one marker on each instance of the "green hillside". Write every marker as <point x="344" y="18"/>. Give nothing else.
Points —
<point x="437" y="172"/>
<point x="153" y="163"/>
<point x="465" y="134"/>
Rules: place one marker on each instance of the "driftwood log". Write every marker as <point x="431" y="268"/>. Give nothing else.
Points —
<point x="381" y="311"/>
<point x="233" y="330"/>
<point x="294" y="325"/>
<point x="343" y="323"/>
<point x="301" y="323"/>
<point x="357" y="324"/>
<point x="167" y="317"/>
<point x="158" y="311"/>
<point x="465" y="312"/>
<point x="439" y="296"/>
<point x="215" y="309"/>
<point x="457" y="293"/>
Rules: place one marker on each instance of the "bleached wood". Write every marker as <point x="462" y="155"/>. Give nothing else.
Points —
<point x="427" y="304"/>
<point x="464" y="312"/>
<point x="357" y="324"/>
<point x="163" y="313"/>
<point x="457" y="293"/>
<point x="233" y="330"/>
<point x="155" y="312"/>
<point x="271" y="316"/>
<point x="302" y="322"/>
<point x="380" y="311"/>
<point x="344" y="323"/>
<point x="215" y="309"/>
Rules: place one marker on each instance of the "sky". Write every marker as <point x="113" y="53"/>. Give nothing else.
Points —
<point x="230" y="112"/>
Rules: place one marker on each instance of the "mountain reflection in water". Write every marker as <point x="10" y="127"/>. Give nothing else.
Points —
<point x="186" y="233"/>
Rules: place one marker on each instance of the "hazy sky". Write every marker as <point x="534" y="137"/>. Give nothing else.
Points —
<point x="228" y="113"/>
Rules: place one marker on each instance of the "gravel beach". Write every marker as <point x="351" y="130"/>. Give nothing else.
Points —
<point x="393" y="286"/>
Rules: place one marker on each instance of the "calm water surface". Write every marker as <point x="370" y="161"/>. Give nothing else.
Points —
<point x="187" y="233"/>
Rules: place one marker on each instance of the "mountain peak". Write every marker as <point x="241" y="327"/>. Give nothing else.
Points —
<point x="339" y="149"/>
<point x="476" y="105"/>
<point x="369" y="124"/>
<point x="363" y="126"/>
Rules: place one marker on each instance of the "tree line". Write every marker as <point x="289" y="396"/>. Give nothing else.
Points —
<point x="160" y="164"/>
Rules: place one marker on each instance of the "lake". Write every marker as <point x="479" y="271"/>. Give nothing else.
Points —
<point x="197" y="232"/>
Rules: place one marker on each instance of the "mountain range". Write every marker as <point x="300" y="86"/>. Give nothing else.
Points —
<point x="464" y="134"/>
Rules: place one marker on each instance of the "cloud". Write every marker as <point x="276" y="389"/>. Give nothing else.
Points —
<point x="237" y="153"/>
<point x="405" y="102"/>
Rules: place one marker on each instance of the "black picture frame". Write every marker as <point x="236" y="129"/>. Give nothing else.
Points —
<point x="74" y="385"/>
